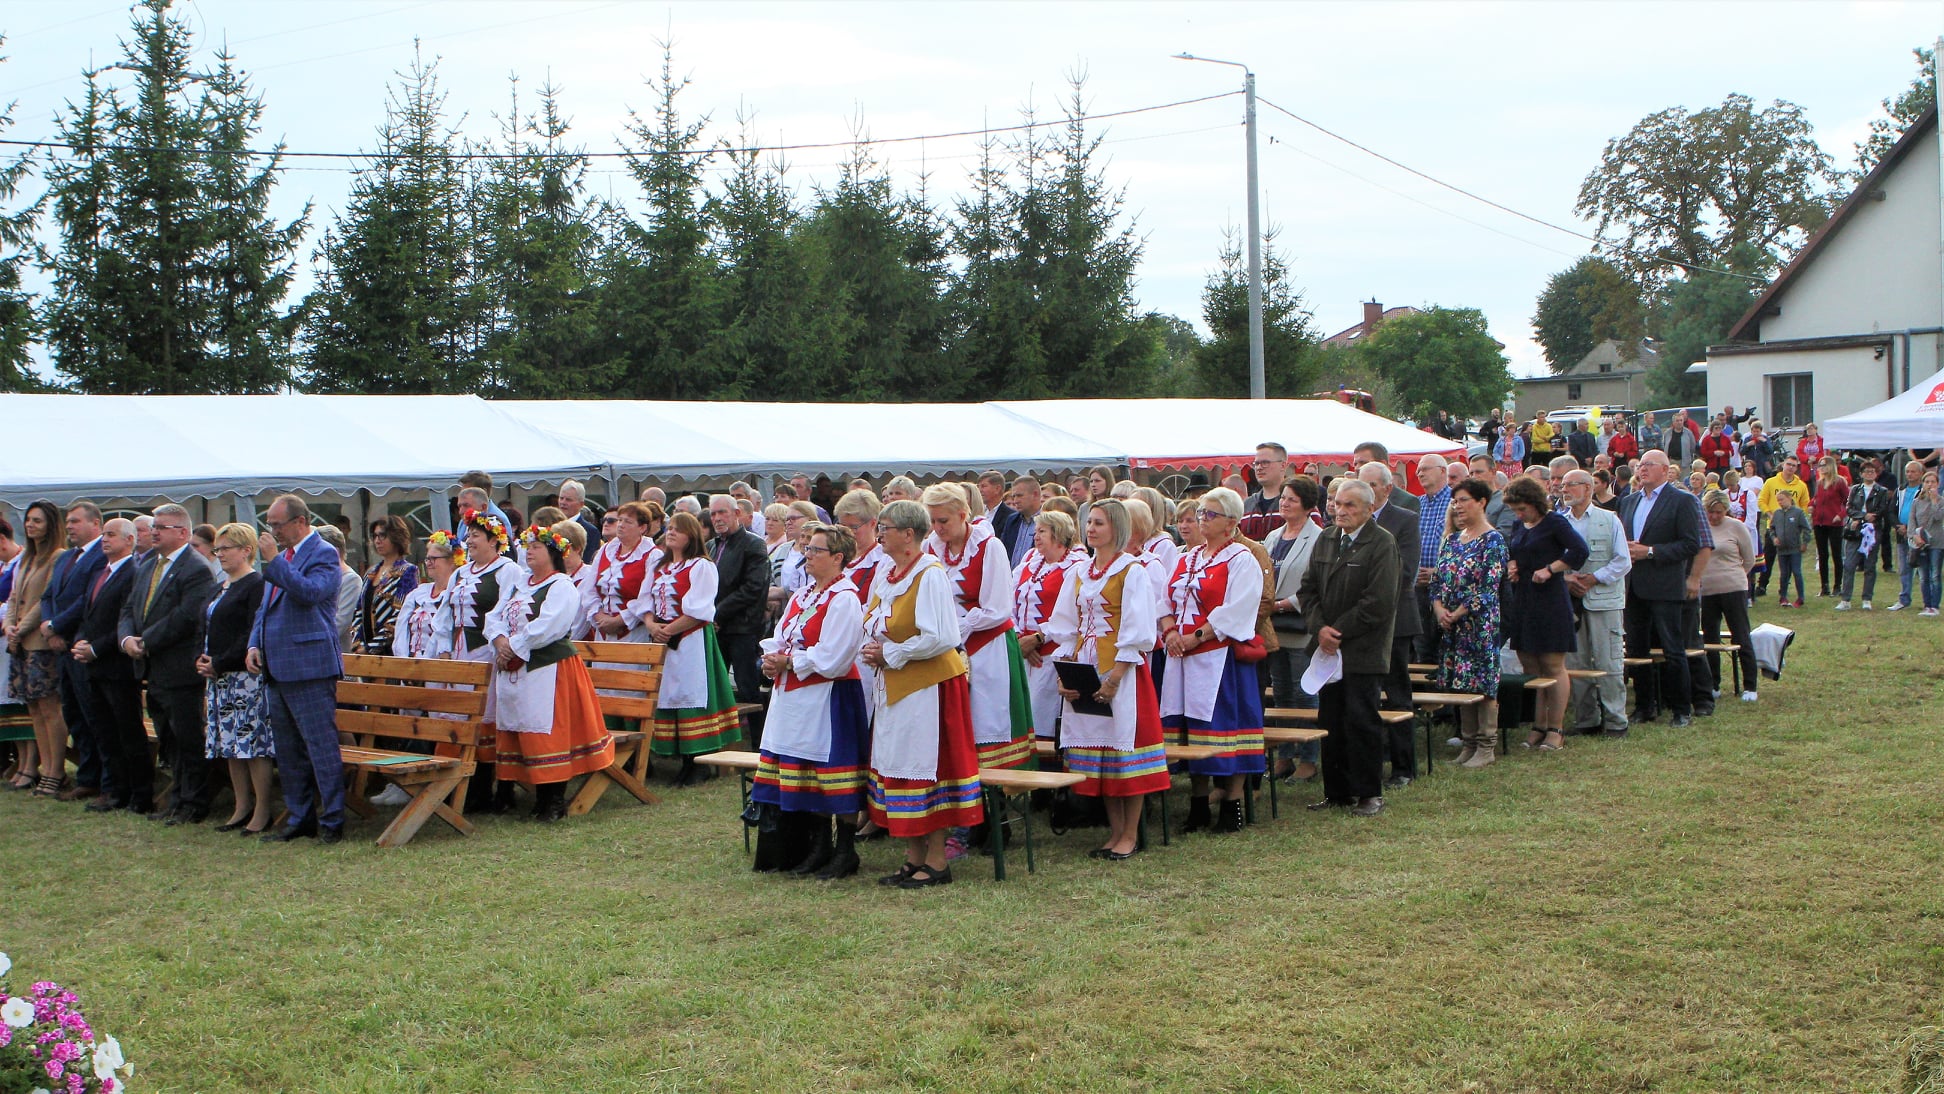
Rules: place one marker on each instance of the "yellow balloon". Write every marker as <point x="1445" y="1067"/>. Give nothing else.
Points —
<point x="1593" y="416"/>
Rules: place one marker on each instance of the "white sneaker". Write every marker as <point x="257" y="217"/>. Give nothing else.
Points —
<point x="1748" y="696"/>
<point x="1928" y="611"/>
<point x="391" y="795"/>
<point x="1842" y="605"/>
<point x="1455" y="742"/>
<point x="1866" y="606"/>
<point x="1898" y="606"/>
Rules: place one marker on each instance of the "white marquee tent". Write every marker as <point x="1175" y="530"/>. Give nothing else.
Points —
<point x="1913" y="419"/>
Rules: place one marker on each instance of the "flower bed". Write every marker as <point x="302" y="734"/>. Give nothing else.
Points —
<point x="48" y="1047"/>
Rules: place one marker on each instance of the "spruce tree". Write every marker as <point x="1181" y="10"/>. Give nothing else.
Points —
<point x="994" y="316"/>
<point x="18" y="323"/>
<point x="1291" y="365"/>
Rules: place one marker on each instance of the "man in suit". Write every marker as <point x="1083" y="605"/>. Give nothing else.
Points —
<point x="111" y="675"/>
<point x="1024" y="497"/>
<point x="61" y="608"/>
<point x="1003" y="518"/>
<point x="294" y="645"/>
<point x="1373" y="452"/>
<point x="742" y="600"/>
<point x="572" y="497"/>
<point x="1661" y="539"/>
<point x="161" y="629"/>
<point x="1349" y="599"/>
<point x="1402" y="525"/>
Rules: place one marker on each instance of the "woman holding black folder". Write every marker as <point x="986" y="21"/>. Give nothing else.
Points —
<point x="1106" y="614"/>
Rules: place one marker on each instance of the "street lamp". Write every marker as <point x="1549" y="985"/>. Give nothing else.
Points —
<point x="1257" y="385"/>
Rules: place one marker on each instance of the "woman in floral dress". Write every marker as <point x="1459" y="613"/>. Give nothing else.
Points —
<point x="1465" y="600"/>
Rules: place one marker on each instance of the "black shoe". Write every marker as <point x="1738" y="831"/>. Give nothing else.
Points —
<point x="923" y="876"/>
<point x="1681" y="721"/>
<point x="1704" y="712"/>
<point x="1198" y="815"/>
<point x="290" y="832"/>
<point x="550" y="803"/>
<point x="1329" y="803"/>
<point x="1119" y="856"/>
<point x="504" y="799"/>
<point x="1642" y="714"/>
<point x="843" y="864"/>
<point x="1232" y="820"/>
<point x="820" y="853"/>
<point x="1397" y="782"/>
<point x="105" y="805"/>
<point x="191" y="815"/>
<point x="1369" y="807"/>
<point x="142" y="807"/>
<point x="1614" y="734"/>
<point x="329" y="836"/>
<point x="231" y="826"/>
<point x="894" y="879"/>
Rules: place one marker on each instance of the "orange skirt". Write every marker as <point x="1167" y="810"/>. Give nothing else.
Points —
<point x="578" y="743"/>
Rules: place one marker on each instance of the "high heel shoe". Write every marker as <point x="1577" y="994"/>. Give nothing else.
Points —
<point x="48" y="786"/>
<point x="232" y="825"/>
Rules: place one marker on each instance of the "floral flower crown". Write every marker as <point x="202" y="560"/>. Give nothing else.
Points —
<point x="485" y="521"/>
<point x="538" y="535"/>
<point x="453" y="545"/>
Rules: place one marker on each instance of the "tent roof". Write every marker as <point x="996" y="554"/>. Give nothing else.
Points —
<point x="183" y="446"/>
<point x="1210" y="432"/>
<point x="837" y="439"/>
<point x="1913" y="419"/>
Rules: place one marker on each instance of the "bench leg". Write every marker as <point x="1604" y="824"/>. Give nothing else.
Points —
<point x="1430" y="757"/>
<point x="428" y="801"/>
<point x="747" y="783"/>
<point x="1164" y="813"/>
<point x="1026" y="823"/>
<point x="1275" y="809"/>
<point x="996" y="831"/>
<point x="616" y="774"/>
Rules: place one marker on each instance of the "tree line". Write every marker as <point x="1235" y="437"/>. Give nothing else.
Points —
<point x="460" y="265"/>
<point x="1701" y="210"/>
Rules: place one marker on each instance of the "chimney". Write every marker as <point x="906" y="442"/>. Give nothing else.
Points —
<point x="1373" y="313"/>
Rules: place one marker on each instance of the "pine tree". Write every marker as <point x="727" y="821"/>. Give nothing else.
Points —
<point x="994" y="321"/>
<point x="18" y="323"/>
<point x="660" y="304"/>
<point x="82" y="327"/>
<point x="537" y="243"/>
<point x="1290" y="364"/>
<point x="393" y="312"/>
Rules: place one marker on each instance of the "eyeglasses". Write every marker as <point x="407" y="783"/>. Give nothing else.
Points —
<point x="170" y="527"/>
<point x="1211" y="514"/>
<point x="816" y="550"/>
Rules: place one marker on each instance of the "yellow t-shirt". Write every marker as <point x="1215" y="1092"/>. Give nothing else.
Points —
<point x="1774" y="485"/>
<point x="1542" y="435"/>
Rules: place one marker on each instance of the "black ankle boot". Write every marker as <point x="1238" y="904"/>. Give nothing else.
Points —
<point x="818" y="856"/>
<point x="551" y="802"/>
<point x="770" y="827"/>
<point x="503" y="797"/>
<point x="843" y="861"/>
<point x="1232" y="819"/>
<point x="1198" y="817"/>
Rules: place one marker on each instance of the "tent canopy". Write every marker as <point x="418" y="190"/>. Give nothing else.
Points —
<point x="183" y="446"/>
<point x="1914" y="419"/>
<point x="1207" y="433"/>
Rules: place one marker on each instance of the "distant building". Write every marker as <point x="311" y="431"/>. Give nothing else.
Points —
<point x="1601" y="378"/>
<point x="1854" y="319"/>
<point x="1373" y="314"/>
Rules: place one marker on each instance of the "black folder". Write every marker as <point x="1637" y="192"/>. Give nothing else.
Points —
<point x="1085" y="679"/>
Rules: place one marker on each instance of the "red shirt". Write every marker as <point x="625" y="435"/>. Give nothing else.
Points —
<point x="1623" y="447"/>
<point x="1831" y="506"/>
<point x="1718" y="450"/>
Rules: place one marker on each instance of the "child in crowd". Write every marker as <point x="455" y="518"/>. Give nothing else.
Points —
<point x="1789" y="531"/>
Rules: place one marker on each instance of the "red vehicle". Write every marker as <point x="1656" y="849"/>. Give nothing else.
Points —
<point x="1362" y="400"/>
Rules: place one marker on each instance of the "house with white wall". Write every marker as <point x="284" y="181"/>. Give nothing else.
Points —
<point x="1855" y="318"/>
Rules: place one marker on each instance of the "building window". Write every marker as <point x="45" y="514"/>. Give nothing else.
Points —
<point x="1791" y="401"/>
<point x="1572" y="393"/>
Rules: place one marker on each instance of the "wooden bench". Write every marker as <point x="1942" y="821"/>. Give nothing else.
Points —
<point x="1308" y="714"/>
<point x="1002" y="787"/>
<point x="741" y="761"/>
<point x="633" y="669"/>
<point x="395" y="699"/>
<point x="1733" y="650"/>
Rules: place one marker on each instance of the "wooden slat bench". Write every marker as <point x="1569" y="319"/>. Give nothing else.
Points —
<point x="634" y="670"/>
<point x="1003" y="788"/>
<point x="1286" y="735"/>
<point x="395" y="698"/>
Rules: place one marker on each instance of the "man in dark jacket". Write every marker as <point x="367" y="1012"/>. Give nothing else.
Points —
<point x="61" y="607"/>
<point x="742" y="601"/>
<point x="111" y="676"/>
<point x="1349" y="599"/>
<point x="161" y="629"/>
<point x="1663" y="536"/>
<point x="1582" y="444"/>
<point x="1402" y="524"/>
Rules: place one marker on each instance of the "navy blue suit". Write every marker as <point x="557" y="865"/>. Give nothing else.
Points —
<point x="117" y="694"/>
<point x="61" y="606"/>
<point x="296" y="635"/>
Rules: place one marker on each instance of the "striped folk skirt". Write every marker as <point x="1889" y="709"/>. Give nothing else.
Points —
<point x="692" y="731"/>
<point x="835" y="786"/>
<point x="1000" y="670"/>
<point x="1129" y="772"/>
<point x="907" y="808"/>
<point x="578" y="743"/>
<point x="1235" y="729"/>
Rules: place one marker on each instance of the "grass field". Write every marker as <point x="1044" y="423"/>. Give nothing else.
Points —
<point x="1750" y="905"/>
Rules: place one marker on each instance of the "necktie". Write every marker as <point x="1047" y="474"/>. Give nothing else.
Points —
<point x="100" y="580"/>
<point x="155" y="582"/>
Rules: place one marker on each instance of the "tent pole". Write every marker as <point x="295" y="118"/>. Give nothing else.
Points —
<point x="441" y="516"/>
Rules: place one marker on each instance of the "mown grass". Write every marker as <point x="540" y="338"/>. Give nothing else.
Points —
<point x="1752" y="905"/>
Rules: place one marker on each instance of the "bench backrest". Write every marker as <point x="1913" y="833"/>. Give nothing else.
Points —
<point x="395" y="698"/>
<point x="631" y="669"/>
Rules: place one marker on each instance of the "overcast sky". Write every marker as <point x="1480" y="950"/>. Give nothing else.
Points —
<point x="1513" y="101"/>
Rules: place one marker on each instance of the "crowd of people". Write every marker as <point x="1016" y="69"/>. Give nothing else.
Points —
<point x="895" y="641"/>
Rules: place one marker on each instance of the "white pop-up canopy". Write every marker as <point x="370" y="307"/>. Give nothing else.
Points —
<point x="836" y="439"/>
<point x="62" y="447"/>
<point x="1914" y="419"/>
<point x="1209" y="433"/>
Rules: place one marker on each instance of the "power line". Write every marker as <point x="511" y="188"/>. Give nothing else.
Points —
<point x="1609" y="244"/>
<point x="63" y="146"/>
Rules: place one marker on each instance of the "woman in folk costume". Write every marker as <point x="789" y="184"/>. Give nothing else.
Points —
<point x="425" y="627"/>
<point x="1106" y="615"/>
<point x="1160" y="541"/>
<point x="696" y="710"/>
<point x="1038" y="582"/>
<point x="549" y="727"/>
<point x="1002" y="710"/>
<point x="618" y="609"/>
<point x="816" y="739"/>
<point x="924" y="765"/>
<point x="488" y="578"/>
<point x="1209" y="691"/>
<point x="857" y="512"/>
<point x="580" y="572"/>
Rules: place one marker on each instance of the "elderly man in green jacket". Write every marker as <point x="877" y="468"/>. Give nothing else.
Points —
<point x="1350" y="599"/>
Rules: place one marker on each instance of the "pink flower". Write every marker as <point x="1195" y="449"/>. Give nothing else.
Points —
<point x="54" y="1069"/>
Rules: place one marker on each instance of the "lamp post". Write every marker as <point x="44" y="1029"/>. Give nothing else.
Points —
<point x="1257" y="385"/>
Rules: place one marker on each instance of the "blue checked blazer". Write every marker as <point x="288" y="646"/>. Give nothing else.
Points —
<point x="296" y="627"/>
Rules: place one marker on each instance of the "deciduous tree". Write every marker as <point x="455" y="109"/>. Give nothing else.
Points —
<point x="1582" y="306"/>
<point x="1439" y="359"/>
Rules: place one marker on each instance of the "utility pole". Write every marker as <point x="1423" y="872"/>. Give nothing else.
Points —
<point x="1258" y="385"/>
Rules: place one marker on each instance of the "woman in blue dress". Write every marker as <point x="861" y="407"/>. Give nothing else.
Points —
<point x="1465" y="601"/>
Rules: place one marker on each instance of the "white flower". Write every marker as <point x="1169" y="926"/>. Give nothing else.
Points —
<point x="18" y="1013"/>
<point x="42" y="1090"/>
<point x="108" y="1053"/>
<point x="6" y="963"/>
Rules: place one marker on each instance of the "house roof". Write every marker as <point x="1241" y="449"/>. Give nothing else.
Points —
<point x="1748" y="328"/>
<point x="1351" y="333"/>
